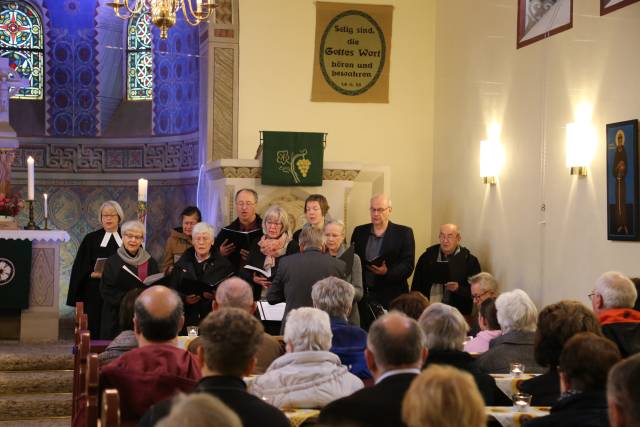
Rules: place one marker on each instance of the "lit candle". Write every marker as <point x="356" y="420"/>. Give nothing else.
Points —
<point x="30" y="179"/>
<point x="142" y="189"/>
<point x="46" y="209"/>
<point x="198" y="6"/>
<point x="521" y="406"/>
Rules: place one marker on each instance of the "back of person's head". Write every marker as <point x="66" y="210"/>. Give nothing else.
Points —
<point x="235" y="292"/>
<point x="307" y="329"/>
<point x="623" y="392"/>
<point x="200" y="410"/>
<point x="586" y="360"/>
<point x="230" y="340"/>
<point x="444" y="327"/>
<point x="396" y="340"/>
<point x="125" y="317"/>
<point x="516" y="311"/>
<point x="489" y="313"/>
<point x="617" y="290"/>
<point x="311" y="237"/>
<point x="412" y="304"/>
<point x="556" y="324"/>
<point x="333" y="296"/>
<point x="485" y="281"/>
<point x="636" y="283"/>
<point x="158" y="314"/>
<point x="443" y="396"/>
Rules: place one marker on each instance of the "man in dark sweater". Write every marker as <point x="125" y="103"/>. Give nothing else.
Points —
<point x="230" y="341"/>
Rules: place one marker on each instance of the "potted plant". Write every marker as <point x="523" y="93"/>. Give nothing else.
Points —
<point x="10" y="206"/>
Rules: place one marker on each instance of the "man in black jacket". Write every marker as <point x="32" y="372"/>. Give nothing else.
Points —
<point x="387" y="251"/>
<point x="395" y="352"/>
<point x="230" y="340"/>
<point x="448" y="266"/>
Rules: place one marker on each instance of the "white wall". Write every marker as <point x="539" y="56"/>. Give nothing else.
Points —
<point x="533" y="93"/>
<point x="276" y="63"/>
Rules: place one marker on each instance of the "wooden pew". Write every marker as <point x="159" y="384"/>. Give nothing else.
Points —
<point x="80" y="368"/>
<point x="110" y="408"/>
<point x="92" y="390"/>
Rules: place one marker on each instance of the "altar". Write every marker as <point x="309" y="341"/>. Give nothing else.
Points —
<point x="39" y="321"/>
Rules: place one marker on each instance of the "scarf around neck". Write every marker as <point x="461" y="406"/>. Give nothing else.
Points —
<point x="273" y="248"/>
<point x="141" y="257"/>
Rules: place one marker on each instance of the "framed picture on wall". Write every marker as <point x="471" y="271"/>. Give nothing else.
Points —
<point x="622" y="180"/>
<point x="608" y="6"/>
<point x="539" y="19"/>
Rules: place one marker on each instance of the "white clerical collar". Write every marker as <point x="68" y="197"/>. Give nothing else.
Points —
<point x="398" y="372"/>
<point x="107" y="236"/>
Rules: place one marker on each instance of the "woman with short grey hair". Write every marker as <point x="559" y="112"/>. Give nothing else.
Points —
<point x="308" y="375"/>
<point x="517" y="316"/>
<point x="96" y="247"/>
<point x="123" y="271"/>
<point x="445" y="330"/>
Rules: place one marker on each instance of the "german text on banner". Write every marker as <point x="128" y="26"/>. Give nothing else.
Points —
<point x="292" y="158"/>
<point x="353" y="45"/>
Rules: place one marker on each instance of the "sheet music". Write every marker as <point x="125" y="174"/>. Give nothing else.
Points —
<point x="271" y="312"/>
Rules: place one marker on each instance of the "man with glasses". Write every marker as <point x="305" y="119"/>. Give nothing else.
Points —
<point x="248" y="220"/>
<point x="443" y="271"/>
<point x="387" y="250"/>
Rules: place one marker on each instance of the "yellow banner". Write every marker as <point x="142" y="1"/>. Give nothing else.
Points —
<point x="353" y="44"/>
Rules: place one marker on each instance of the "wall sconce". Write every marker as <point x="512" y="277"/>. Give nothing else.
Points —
<point x="491" y="156"/>
<point x="581" y="144"/>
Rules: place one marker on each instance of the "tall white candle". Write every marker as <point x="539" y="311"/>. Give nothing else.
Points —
<point x="30" y="179"/>
<point x="46" y="208"/>
<point x="142" y="189"/>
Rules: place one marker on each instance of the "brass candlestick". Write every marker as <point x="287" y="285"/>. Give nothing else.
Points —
<point x="31" y="225"/>
<point x="46" y="223"/>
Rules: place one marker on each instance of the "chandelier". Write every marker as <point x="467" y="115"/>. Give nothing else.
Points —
<point x="163" y="12"/>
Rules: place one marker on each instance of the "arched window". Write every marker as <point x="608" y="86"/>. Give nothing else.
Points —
<point x="139" y="59"/>
<point x="21" y="40"/>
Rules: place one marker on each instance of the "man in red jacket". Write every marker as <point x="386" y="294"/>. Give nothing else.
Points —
<point x="157" y="369"/>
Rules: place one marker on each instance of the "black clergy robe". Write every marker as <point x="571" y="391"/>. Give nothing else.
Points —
<point x="81" y="286"/>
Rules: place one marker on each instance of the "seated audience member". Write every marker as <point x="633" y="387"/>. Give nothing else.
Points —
<point x="335" y="297"/>
<point x="126" y="340"/>
<point x="121" y="273"/>
<point x="180" y="238"/>
<point x="445" y="330"/>
<point x="230" y="339"/>
<point x="585" y="362"/>
<point x="335" y="246"/>
<point x="517" y="318"/>
<point x="442" y="396"/>
<point x="489" y="328"/>
<point x="269" y="249"/>
<point x="299" y="272"/>
<point x="197" y="410"/>
<point x="395" y="352"/>
<point x="412" y="304"/>
<point x="623" y="393"/>
<point x="483" y="286"/>
<point x="199" y="263"/>
<point x="556" y="324"/>
<point x="309" y="375"/>
<point x="157" y="369"/>
<point x="613" y="299"/>
<point x="236" y="293"/>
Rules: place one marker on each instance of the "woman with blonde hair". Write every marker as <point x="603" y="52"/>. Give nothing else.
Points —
<point x="442" y="396"/>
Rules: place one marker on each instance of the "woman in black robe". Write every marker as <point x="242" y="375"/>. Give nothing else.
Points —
<point x="84" y="284"/>
<point x="123" y="271"/>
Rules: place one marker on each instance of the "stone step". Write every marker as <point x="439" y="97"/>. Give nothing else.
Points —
<point x="38" y="422"/>
<point x="26" y="406"/>
<point x="24" y="382"/>
<point x="33" y="357"/>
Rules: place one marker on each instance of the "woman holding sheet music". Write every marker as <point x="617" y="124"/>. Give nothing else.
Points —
<point x="262" y="262"/>
<point x="130" y="267"/>
<point x="96" y="247"/>
<point x="198" y="272"/>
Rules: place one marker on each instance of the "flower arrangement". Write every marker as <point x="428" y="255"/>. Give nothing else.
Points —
<point x="10" y="205"/>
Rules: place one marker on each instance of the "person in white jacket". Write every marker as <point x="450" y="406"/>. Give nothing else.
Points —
<point x="308" y="375"/>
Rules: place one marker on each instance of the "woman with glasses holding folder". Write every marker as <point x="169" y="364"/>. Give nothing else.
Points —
<point x="198" y="272"/>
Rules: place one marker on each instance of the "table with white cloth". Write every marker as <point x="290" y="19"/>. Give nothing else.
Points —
<point x="297" y="417"/>
<point x="507" y="417"/>
<point x="508" y="384"/>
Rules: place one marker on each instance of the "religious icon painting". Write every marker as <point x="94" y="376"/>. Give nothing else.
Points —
<point x="608" y="6"/>
<point x="622" y="181"/>
<point x="539" y="19"/>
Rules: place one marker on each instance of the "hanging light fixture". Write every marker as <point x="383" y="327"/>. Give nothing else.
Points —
<point x="163" y="12"/>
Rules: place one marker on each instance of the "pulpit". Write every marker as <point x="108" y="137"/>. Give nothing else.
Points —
<point x="39" y="321"/>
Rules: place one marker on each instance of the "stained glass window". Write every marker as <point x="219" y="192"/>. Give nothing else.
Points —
<point x="139" y="59"/>
<point x="21" y="40"/>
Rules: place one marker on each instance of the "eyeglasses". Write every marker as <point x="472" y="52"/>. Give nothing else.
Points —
<point x="477" y="297"/>
<point x="273" y="223"/>
<point x="378" y="210"/>
<point x="245" y="204"/>
<point x="109" y="215"/>
<point x="591" y="294"/>
<point x="133" y="237"/>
